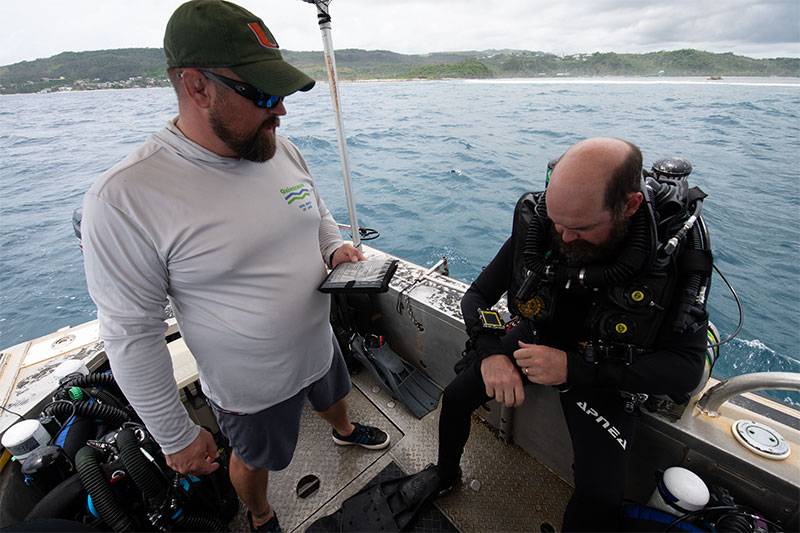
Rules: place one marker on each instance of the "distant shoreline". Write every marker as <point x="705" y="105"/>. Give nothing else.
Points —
<point x="767" y="81"/>
<point x="730" y="80"/>
<point x="145" y="67"/>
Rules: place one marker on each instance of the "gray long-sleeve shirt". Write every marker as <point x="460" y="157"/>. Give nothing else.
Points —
<point x="237" y="248"/>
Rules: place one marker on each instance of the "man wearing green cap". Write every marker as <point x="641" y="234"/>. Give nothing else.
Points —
<point x="218" y="216"/>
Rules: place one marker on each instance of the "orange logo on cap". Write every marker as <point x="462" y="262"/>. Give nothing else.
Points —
<point x="262" y="37"/>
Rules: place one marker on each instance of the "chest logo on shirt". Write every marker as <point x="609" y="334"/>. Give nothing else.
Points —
<point x="296" y="195"/>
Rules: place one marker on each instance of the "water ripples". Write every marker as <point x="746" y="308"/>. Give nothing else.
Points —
<point x="437" y="168"/>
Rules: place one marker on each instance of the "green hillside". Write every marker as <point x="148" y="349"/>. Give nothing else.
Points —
<point x="75" y="69"/>
<point x="675" y="63"/>
<point x="145" y="67"/>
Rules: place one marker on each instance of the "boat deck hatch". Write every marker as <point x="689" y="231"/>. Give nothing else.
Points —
<point x="320" y="469"/>
<point x="761" y="439"/>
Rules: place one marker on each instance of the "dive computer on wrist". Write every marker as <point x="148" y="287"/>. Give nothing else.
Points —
<point x="490" y="322"/>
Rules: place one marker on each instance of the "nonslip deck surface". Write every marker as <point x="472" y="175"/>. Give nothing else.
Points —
<point x="502" y="487"/>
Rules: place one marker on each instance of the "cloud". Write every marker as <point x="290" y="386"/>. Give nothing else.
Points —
<point x="40" y="28"/>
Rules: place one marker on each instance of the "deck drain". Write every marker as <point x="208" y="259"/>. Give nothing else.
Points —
<point x="307" y="485"/>
<point x="761" y="439"/>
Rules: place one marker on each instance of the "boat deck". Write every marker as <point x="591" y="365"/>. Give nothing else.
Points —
<point x="504" y="487"/>
<point x="498" y="478"/>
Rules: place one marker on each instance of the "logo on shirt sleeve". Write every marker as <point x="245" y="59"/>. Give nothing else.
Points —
<point x="297" y="195"/>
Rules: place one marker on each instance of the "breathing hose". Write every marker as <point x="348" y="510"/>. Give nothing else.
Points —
<point x="106" y="397"/>
<point x="139" y="469"/>
<point x="90" y="380"/>
<point x="108" y="413"/>
<point x="633" y="259"/>
<point x="198" y="522"/>
<point x="95" y="482"/>
<point x="104" y="379"/>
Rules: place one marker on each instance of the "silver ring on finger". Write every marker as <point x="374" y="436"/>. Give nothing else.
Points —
<point x="525" y="370"/>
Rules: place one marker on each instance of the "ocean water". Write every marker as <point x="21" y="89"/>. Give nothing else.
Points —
<point x="437" y="168"/>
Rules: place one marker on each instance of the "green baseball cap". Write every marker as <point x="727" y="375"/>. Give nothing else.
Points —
<point x="214" y="33"/>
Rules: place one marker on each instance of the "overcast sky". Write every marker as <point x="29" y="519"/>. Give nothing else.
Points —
<point x="30" y="29"/>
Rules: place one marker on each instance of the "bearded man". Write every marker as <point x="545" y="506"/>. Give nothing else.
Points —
<point x="219" y="216"/>
<point x="575" y="251"/>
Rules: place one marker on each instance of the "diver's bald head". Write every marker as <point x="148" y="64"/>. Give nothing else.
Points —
<point x="594" y="189"/>
<point x="600" y="169"/>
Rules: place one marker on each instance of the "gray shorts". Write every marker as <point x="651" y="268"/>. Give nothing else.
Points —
<point x="267" y="439"/>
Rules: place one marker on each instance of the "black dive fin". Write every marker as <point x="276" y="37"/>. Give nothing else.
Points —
<point x="391" y="505"/>
<point x="404" y="382"/>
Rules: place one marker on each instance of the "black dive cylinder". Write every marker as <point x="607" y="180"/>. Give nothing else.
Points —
<point x="47" y="466"/>
<point x="95" y="482"/>
<point x="61" y="502"/>
<point x="696" y="285"/>
<point x="74" y="435"/>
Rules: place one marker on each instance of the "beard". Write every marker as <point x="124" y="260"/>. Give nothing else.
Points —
<point x="580" y="251"/>
<point x="258" y="147"/>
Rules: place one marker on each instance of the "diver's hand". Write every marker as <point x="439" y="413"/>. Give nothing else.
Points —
<point x="197" y="459"/>
<point x="346" y="253"/>
<point x="542" y="364"/>
<point x="503" y="382"/>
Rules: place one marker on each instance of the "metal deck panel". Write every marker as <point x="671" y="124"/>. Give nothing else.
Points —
<point x="516" y="492"/>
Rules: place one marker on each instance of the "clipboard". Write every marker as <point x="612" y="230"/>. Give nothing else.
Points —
<point x="369" y="276"/>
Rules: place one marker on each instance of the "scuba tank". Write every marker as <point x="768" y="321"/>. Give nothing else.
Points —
<point x="668" y="177"/>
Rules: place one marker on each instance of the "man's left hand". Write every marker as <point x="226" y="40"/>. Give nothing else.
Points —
<point x="542" y="364"/>
<point x="346" y="253"/>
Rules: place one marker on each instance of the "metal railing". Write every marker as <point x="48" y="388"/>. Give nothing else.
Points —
<point x="720" y="393"/>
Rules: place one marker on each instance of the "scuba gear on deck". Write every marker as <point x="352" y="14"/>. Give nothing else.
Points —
<point x="103" y="469"/>
<point x="352" y="318"/>
<point x="404" y="382"/>
<point x="390" y="505"/>
<point x="395" y="502"/>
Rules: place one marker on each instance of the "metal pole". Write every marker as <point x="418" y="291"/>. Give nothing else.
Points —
<point x="330" y="63"/>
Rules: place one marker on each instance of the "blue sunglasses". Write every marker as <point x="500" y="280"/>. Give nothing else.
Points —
<point x="255" y="95"/>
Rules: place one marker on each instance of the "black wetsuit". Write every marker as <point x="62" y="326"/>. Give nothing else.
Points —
<point x="601" y="430"/>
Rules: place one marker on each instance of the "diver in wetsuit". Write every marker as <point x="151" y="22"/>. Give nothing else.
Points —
<point x="603" y="308"/>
